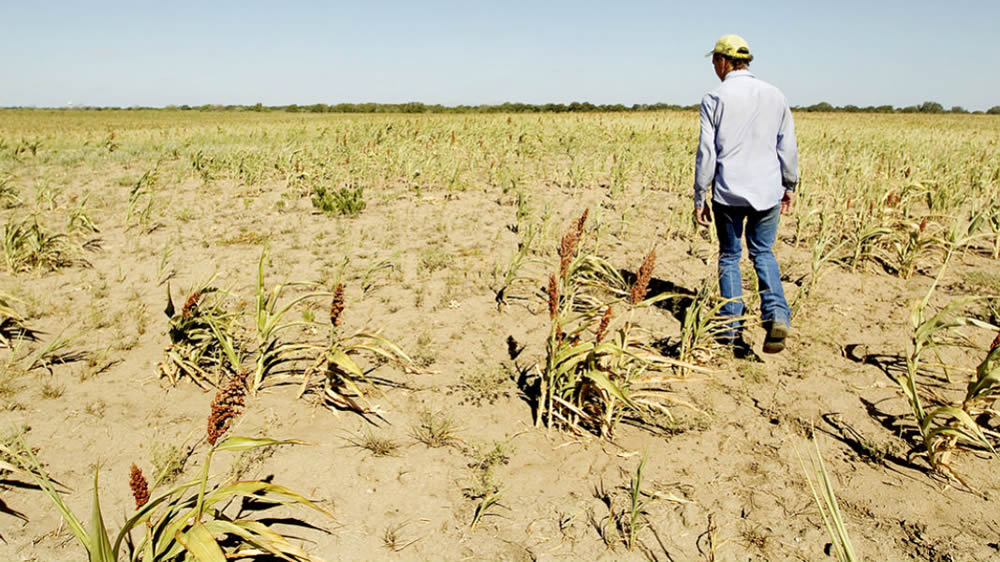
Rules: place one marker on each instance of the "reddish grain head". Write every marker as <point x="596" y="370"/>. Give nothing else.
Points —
<point x="570" y="243"/>
<point x="553" y="297"/>
<point x="226" y="407"/>
<point x="337" y="306"/>
<point x="140" y="488"/>
<point x="602" y="328"/>
<point x="191" y="305"/>
<point x="642" y="279"/>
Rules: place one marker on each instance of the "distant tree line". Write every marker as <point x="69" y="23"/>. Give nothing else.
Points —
<point x="418" y="107"/>
<point x="926" y="107"/>
<point x="574" y="107"/>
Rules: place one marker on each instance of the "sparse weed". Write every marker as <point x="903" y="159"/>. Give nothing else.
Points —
<point x="53" y="352"/>
<point x="169" y="461"/>
<point x="434" y="258"/>
<point x="376" y="266"/>
<point x="436" y="430"/>
<point x="52" y="390"/>
<point x="485" y="385"/>
<point x="377" y="445"/>
<point x="485" y="504"/>
<point x="485" y="459"/>
<point x="424" y="355"/>
<point x="392" y="539"/>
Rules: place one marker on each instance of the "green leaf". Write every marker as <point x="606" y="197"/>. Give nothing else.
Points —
<point x="200" y="542"/>
<point x="987" y="376"/>
<point x="385" y="343"/>
<point x="261" y="490"/>
<point x="971" y="433"/>
<point x="146" y="511"/>
<point x="603" y="382"/>
<point x="345" y="363"/>
<point x="169" y="310"/>
<point x="259" y="535"/>
<point x="570" y="352"/>
<point x="33" y="468"/>
<point x="100" y="546"/>
<point x="244" y="443"/>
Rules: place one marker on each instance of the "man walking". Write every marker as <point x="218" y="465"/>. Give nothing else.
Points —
<point x="747" y="151"/>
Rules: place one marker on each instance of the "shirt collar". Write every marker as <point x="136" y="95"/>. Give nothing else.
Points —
<point x="738" y="73"/>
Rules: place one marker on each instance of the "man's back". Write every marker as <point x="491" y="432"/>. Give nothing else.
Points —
<point x="754" y="141"/>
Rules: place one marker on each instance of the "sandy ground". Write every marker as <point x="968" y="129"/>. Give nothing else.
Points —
<point x="725" y="485"/>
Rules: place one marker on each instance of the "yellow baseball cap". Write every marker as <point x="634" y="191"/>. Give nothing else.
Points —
<point x="732" y="46"/>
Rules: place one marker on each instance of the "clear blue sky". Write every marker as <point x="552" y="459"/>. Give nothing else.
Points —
<point x="468" y="52"/>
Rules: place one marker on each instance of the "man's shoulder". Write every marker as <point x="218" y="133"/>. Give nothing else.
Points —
<point x="746" y="83"/>
<point x="769" y="86"/>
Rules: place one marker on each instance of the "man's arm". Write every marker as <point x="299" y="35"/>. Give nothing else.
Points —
<point x="788" y="151"/>
<point x="705" y="160"/>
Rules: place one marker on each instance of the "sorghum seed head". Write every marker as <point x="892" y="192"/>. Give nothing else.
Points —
<point x="191" y="305"/>
<point x="642" y="279"/>
<point x="140" y="488"/>
<point x="570" y="242"/>
<point x="226" y="407"/>
<point x="553" y="297"/>
<point x="337" y="306"/>
<point x="602" y="329"/>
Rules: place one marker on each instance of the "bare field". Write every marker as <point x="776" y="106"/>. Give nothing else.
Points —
<point x="445" y="232"/>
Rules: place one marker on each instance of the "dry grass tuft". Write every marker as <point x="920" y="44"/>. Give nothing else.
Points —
<point x="376" y="445"/>
<point x="436" y="430"/>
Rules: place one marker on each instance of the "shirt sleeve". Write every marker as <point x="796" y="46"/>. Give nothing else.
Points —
<point x="788" y="151"/>
<point x="705" y="161"/>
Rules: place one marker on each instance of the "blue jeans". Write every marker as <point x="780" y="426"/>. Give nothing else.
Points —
<point x="761" y="231"/>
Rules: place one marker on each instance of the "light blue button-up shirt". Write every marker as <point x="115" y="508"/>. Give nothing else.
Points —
<point x="747" y="144"/>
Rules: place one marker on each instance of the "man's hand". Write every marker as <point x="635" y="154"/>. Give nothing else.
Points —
<point x="703" y="216"/>
<point x="786" y="202"/>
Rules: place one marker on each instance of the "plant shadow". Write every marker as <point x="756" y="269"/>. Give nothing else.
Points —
<point x="676" y="306"/>
<point x="868" y="449"/>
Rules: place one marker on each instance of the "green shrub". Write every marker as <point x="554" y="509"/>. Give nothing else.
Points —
<point x="346" y="201"/>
